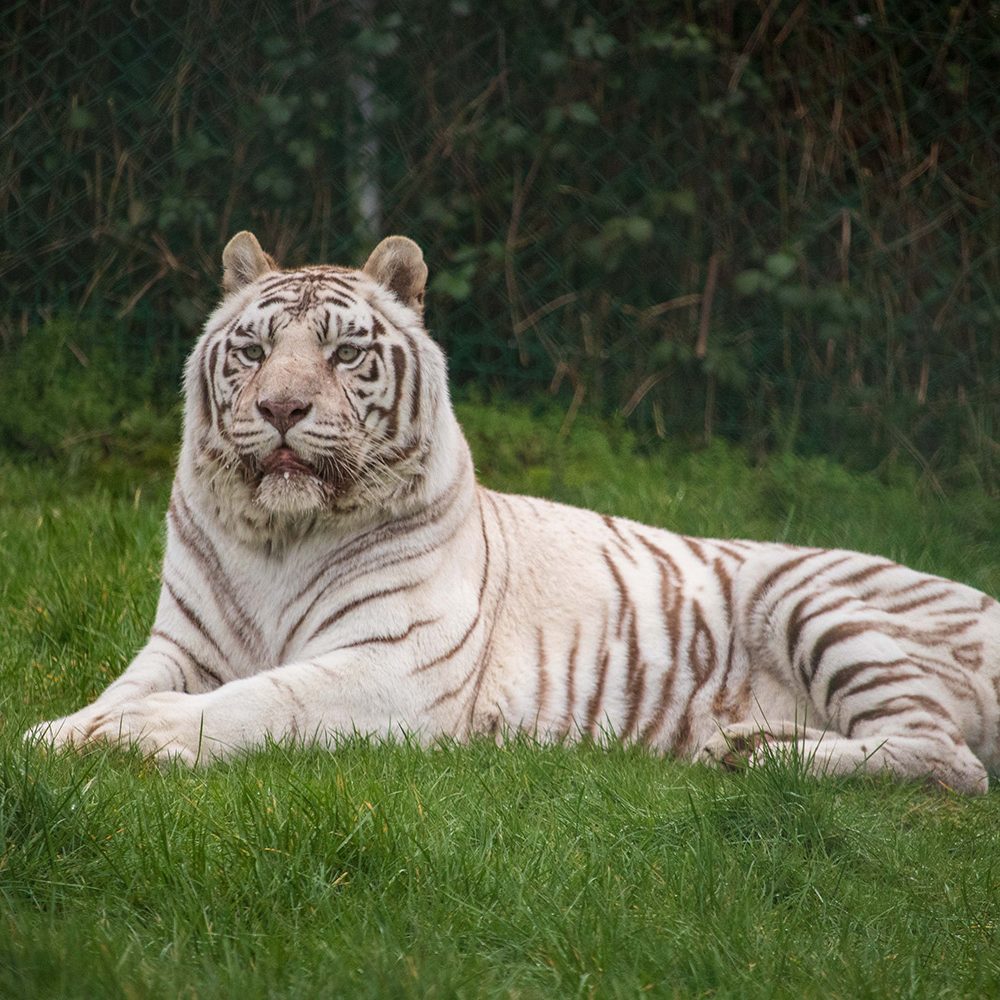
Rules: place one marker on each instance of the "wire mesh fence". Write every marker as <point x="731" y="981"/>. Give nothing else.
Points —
<point x="774" y="221"/>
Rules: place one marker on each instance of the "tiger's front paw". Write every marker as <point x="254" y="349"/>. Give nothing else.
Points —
<point x="76" y="730"/>
<point x="165" y="725"/>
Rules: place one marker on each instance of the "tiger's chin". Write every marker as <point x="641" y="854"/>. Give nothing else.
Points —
<point x="291" y="493"/>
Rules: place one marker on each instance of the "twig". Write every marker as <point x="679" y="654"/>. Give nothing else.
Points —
<point x="517" y="207"/>
<point x="557" y="303"/>
<point x="752" y="44"/>
<point x="706" y="304"/>
<point x="649" y="382"/>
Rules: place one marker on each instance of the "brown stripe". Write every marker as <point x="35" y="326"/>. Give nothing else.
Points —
<point x="597" y="698"/>
<point x="970" y="655"/>
<point x="702" y="667"/>
<point x="571" y="679"/>
<point x="833" y="636"/>
<point x="672" y="605"/>
<point x="204" y="393"/>
<point x="798" y="621"/>
<point x="288" y="690"/>
<point x="399" y="375"/>
<point x="918" y="602"/>
<point x="416" y="388"/>
<point x="924" y="581"/>
<point x="875" y="713"/>
<point x="178" y="666"/>
<point x="635" y="685"/>
<point x="341" y="612"/>
<point x="482" y="662"/>
<point x="671" y="596"/>
<point x="485" y="656"/>
<point x="778" y="572"/>
<point x="190" y="614"/>
<point x="374" y="371"/>
<point x="912" y="703"/>
<point x="655" y="721"/>
<point x="682" y="732"/>
<point x="215" y="406"/>
<point x="195" y="662"/>
<point x="437" y="509"/>
<point x="847" y="674"/>
<point x="624" y="544"/>
<point x="728" y="550"/>
<point x="725" y="588"/>
<point x="725" y="699"/>
<point x="479" y="606"/>
<point x="877" y="682"/>
<point x="200" y="545"/>
<point x="624" y="604"/>
<point x="454" y="692"/>
<point x="388" y="640"/>
<point x="694" y="546"/>
<point x="865" y="574"/>
<point x="671" y="602"/>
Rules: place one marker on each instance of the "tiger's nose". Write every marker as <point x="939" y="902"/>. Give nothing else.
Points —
<point x="283" y="413"/>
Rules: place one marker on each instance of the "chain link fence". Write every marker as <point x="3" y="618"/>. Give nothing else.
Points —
<point x="776" y="221"/>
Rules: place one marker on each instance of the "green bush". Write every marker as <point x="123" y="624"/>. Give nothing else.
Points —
<point x="72" y="394"/>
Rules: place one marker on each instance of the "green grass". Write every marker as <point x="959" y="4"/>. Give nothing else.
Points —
<point x="470" y="871"/>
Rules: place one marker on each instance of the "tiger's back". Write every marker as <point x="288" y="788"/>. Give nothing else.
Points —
<point x="332" y="567"/>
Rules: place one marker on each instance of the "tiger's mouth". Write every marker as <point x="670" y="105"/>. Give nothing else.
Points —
<point x="286" y="483"/>
<point x="286" y="463"/>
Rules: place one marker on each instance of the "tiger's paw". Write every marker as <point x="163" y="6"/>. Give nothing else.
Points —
<point x="75" y="730"/>
<point x="737" y="747"/>
<point x="164" y="725"/>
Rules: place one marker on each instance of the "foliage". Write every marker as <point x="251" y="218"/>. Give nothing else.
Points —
<point x="775" y="223"/>
<point x="76" y="393"/>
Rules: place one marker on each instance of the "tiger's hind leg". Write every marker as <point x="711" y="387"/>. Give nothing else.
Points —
<point x="742" y="744"/>
<point x="880" y="692"/>
<point x="750" y="744"/>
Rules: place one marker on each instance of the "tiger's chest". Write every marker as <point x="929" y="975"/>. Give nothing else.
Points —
<point x="321" y="595"/>
<point x="256" y="599"/>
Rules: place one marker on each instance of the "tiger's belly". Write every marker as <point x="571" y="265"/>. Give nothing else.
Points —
<point x="630" y="638"/>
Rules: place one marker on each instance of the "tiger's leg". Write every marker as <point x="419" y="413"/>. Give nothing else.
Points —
<point x="872" y="702"/>
<point x="161" y="666"/>
<point x="739" y="744"/>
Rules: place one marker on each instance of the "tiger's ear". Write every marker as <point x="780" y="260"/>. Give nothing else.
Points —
<point x="397" y="263"/>
<point x="243" y="261"/>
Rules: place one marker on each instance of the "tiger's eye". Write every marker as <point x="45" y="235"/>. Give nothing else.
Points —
<point x="253" y="352"/>
<point x="347" y="353"/>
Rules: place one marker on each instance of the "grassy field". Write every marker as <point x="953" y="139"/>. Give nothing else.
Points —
<point x="524" y="871"/>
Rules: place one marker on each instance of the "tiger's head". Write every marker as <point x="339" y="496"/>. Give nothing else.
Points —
<point x="315" y="390"/>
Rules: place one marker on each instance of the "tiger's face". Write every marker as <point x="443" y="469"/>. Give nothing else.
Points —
<point x="310" y="387"/>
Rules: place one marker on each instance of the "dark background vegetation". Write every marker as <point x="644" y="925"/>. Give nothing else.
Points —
<point x="775" y="221"/>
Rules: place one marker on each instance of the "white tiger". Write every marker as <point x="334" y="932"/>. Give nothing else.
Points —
<point x="333" y="567"/>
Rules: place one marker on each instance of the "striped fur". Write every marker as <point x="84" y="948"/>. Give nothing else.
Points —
<point x="335" y="568"/>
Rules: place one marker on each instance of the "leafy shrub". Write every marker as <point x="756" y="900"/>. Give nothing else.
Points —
<point x="72" y="394"/>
